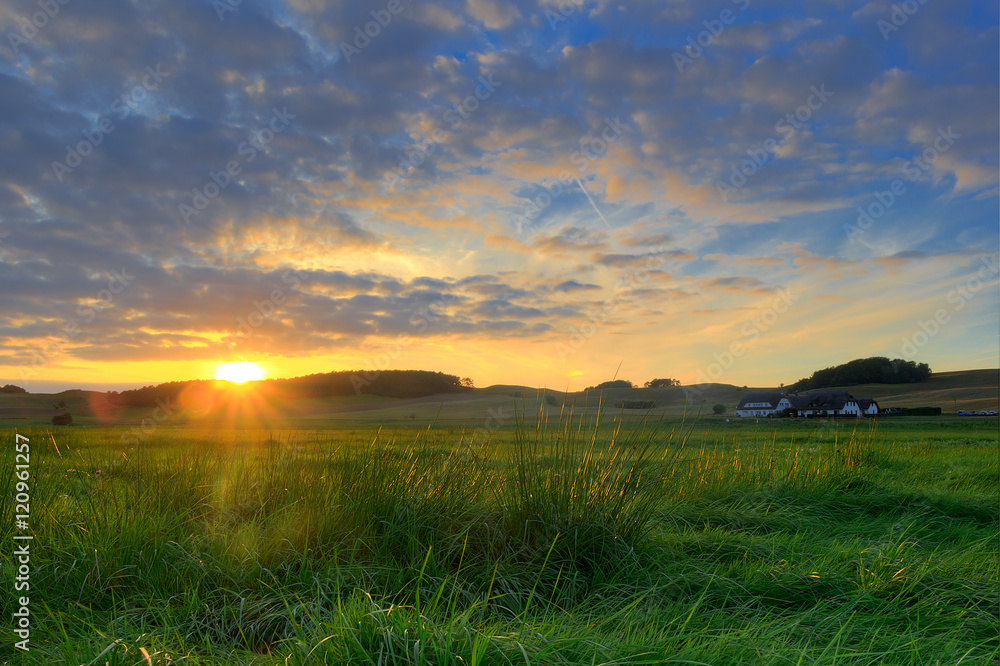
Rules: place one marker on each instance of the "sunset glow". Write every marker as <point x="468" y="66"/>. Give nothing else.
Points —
<point x="239" y="373"/>
<point x="520" y="192"/>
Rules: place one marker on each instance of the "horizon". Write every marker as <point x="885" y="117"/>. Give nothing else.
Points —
<point x="521" y="192"/>
<point x="45" y="388"/>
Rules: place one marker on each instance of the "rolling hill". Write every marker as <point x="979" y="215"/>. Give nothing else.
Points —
<point x="495" y="405"/>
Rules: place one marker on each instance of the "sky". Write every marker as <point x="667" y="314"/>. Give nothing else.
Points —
<point x="536" y="192"/>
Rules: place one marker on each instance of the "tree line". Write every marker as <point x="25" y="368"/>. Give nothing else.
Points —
<point x="385" y="383"/>
<point x="665" y="382"/>
<point x="873" y="370"/>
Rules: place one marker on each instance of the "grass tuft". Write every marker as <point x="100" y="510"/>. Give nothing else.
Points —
<point x="598" y="541"/>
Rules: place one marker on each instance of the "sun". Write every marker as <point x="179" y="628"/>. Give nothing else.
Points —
<point x="239" y="372"/>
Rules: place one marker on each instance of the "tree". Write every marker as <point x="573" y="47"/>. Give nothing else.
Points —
<point x="10" y="388"/>
<point x="466" y="382"/>
<point x="551" y="400"/>
<point x="873" y="370"/>
<point x="719" y="409"/>
<point x="62" y="419"/>
<point x="387" y="383"/>
<point x="613" y="384"/>
<point x="665" y="382"/>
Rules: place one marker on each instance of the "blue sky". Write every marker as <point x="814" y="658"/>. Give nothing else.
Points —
<point x="520" y="192"/>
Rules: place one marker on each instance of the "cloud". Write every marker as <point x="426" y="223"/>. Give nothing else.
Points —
<point x="494" y="14"/>
<point x="452" y="235"/>
<point x="763" y="36"/>
<point x="567" y="242"/>
<point x="736" y="260"/>
<point x="734" y="284"/>
<point x="637" y="260"/>
<point x="572" y="285"/>
<point x="650" y="240"/>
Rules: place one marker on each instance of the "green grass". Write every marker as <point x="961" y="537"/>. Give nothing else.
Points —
<point x="551" y="540"/>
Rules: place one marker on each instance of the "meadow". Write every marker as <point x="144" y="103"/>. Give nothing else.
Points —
<point x="553" y="539"/>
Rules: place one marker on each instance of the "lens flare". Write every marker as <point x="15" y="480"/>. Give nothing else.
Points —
<point x="239" y="372"/>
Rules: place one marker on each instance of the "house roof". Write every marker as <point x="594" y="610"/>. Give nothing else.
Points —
<point x="814" y="400"/>
<point x="821" y="400"/>
<point x="771" y="398"/>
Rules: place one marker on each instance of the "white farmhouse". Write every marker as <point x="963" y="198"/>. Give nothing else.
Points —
<point x="762" y="404"/>
<point x="868" y="406"/>
<point x="814" y="403"/>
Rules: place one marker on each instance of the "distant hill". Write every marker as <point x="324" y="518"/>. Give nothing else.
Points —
<point x="512" y="389"/>
<point x="951" y="391"/>
<point x="873" y="370"/>
<point x="385" y="383"/>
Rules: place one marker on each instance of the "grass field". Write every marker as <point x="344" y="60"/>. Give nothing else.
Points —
<point x="546" y="540"/>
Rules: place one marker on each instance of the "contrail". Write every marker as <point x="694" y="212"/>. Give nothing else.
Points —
<point x="592" y="203"/>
